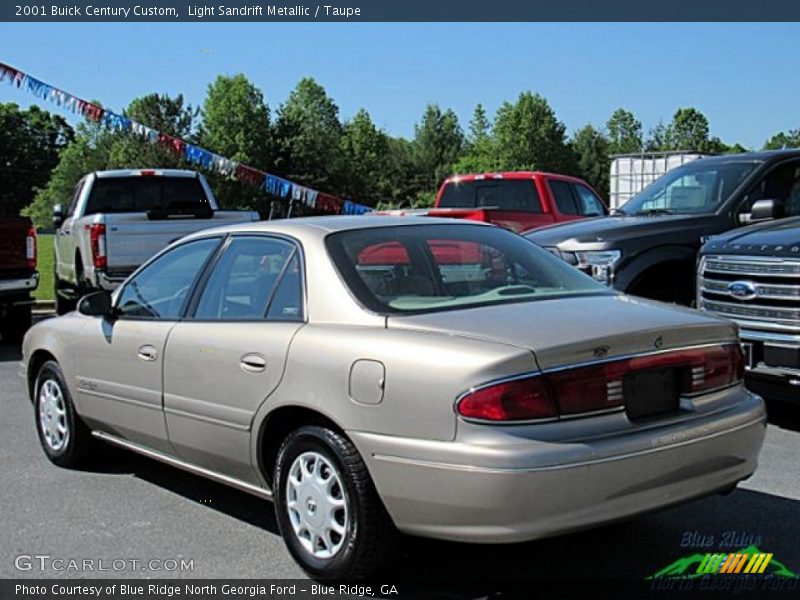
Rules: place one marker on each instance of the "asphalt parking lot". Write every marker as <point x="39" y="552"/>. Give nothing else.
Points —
<point x="134" y="508"/>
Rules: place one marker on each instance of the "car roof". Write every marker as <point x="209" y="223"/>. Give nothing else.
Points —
<point x="153" y="172"/>
<point x="507" y="175"/>
<point x="763" y="156"/>
<point x="324" y="225"/>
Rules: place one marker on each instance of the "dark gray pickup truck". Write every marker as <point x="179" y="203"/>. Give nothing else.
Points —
<point x="752" y="275"/>
<point x="649" y="246"/>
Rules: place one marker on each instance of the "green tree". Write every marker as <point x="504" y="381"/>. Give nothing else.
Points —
<point x="438" y="143"/>
<point x="31" y="142"/>
<point x="689" y="130"/>
<point x="236" y="125"/>
<point x="783" y="139"/>
<point x="593" y="162"/>
<point x="365" y="150"/>
<point x="480" y="155"/>
<point x="308" y="138"/>
<point x="624" y="132"/>
<point x="161" y="112"/>
<point x="527" y="135"/>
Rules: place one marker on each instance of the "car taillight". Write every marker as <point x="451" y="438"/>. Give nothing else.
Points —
<point x="517" y="400"/>
<point x="30" y="248"/>
<point x="97" y="239"/>
<point x="600" y="386"/>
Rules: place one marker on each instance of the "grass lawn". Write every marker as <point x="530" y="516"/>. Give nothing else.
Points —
<point x="46" y="261"/>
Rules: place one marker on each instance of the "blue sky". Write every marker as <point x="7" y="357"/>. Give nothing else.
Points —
<point x="744" y="77"/>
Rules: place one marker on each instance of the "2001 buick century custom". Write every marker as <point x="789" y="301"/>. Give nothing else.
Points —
<point x="447" y="379"/>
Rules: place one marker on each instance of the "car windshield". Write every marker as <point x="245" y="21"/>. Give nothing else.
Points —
<point x="425" y="268"/>
<point x="696" y="188"/>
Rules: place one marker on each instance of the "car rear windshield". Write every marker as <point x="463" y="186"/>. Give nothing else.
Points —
<point x="425" y="268"/>
<point x="143" y="194"/>
<point x="502" y="194"/>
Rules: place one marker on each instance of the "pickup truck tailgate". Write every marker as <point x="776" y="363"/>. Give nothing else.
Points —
<point x="132" y="238"/>
<point x="13" y="246"/>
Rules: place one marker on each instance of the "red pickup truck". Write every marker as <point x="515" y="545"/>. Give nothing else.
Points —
<point x="18" y="276"/>
<point x="517" y="200"/>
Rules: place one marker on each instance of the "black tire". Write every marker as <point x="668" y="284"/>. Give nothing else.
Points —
<point x="369" y="537"/>
<point x="64" y="304"/>
<point x="78" y="444"/>
<point x="16" y="322"/>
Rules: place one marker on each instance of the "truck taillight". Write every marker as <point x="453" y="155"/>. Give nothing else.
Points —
<point x="97" y="239"/>
<point x="601" y="386"/>
<point x="30" y="248"/>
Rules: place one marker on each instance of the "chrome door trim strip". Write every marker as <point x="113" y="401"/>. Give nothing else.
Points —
<point x="189" y="467"/>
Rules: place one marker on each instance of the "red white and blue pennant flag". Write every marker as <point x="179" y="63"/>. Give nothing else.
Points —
<point x="272" y="184"/>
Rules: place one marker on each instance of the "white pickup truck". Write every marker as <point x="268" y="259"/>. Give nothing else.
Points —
<point x="119" y="219"/>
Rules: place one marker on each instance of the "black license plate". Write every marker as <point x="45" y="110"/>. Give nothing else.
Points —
<point x="651" y="394"/>
<point x="782" y="356"/>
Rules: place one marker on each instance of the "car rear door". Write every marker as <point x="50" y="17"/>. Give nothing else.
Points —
<point x="229" y="354"/>
<point x="121" y="361"/>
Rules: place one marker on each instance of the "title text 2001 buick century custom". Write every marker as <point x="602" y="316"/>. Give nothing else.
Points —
<point x="446" y="379"/>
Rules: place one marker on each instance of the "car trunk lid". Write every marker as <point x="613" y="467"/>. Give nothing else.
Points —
<point x="568" y="331"/>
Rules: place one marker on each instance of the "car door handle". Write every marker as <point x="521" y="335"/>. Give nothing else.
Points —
<point x="253" y="363"/>
<point x="148" y="353"/>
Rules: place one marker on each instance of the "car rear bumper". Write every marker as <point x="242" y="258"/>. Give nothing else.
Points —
<point x="20" y="286"/>
<point x="486" y="493"/>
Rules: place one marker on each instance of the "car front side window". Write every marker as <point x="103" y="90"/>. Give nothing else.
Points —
<point x="257" y="277"/>
<point x="160" y="290"/>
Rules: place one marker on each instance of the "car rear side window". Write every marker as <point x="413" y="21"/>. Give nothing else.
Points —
<point x="564" y="198"/>
<point x="255" y="278"/>
<point x="160" y="290"/>
<point x="146" y="193"/>
<point x="502" y="194"/>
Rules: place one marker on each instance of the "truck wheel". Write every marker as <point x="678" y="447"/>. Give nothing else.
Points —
<point x="328" y="511"/>
<point x="17" y="321"/>
<point x="64" y="437"/>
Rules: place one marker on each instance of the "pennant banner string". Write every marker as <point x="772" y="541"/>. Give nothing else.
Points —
<point x="272" y="184"/>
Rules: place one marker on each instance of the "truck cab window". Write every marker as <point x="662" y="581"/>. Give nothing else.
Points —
<point x="783" y="184"/>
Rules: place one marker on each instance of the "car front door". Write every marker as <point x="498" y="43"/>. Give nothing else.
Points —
<point x="120" y="366"/>
<point x="229" y="354"/>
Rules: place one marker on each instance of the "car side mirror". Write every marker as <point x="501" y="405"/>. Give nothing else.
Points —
<point x="766" y="209"/>
<point x="58" y="215"/>
<point x="97" y="304"/>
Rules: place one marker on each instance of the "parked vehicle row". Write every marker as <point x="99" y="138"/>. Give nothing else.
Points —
<point x="116" y="220"/>
<point x="649" y="247"/>
<point x="444" y="378"/>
